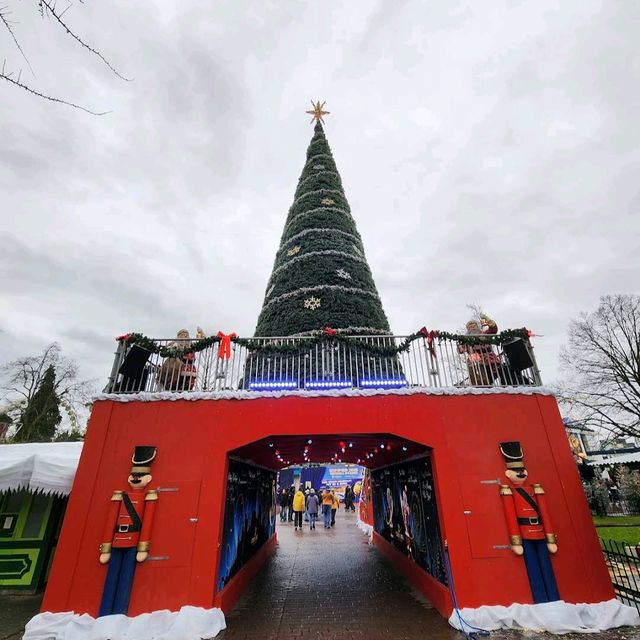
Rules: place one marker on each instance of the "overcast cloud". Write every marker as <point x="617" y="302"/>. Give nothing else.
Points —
<point x="490" y="152"/>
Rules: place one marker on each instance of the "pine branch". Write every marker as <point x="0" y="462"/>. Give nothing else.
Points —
<point x="8" y="78"/>
<point x="58" y="17"/>
<point x="3" y="17"/>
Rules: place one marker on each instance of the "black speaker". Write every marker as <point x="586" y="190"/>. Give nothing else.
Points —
<point x="132" y="369"/>
<point x="516" y="352"/>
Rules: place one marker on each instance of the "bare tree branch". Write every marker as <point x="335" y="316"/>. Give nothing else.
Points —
<point x="602" y="366"/>
<point x="3" y="17"/>
<point x="58" y="17"/>
<point x="8" y="78"/>
<point x="22" y="379"/>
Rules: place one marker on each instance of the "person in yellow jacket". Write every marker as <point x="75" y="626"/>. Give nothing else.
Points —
<point x="298" y="509"/>
<point x="335" y="504"/>
<point x="327" y="504"/>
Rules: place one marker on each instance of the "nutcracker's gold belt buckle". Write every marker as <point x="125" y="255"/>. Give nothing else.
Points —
<point x="534" y="521"/>
<point x="123" y="528"/>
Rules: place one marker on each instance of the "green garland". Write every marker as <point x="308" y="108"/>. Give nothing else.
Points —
<point x="328" y="335"/>
<point x="495" y="338"/>
<point x="167" y="352"/>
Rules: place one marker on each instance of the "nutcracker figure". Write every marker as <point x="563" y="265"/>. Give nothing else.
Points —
<point x="127" y="533"/>
<point x="529" y="524"/>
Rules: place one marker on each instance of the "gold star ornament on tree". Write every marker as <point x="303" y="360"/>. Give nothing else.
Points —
<point x="318" y="112"/>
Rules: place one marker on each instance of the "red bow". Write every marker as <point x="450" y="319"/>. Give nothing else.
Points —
<point x="531" y="334"/>
<point x="429" y="335"/>
<point x="225" y="344"/>
<point x="124" y="337"/>
<point x="330" y="332"/>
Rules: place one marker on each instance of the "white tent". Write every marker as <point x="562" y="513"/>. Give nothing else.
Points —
<point x="608" y="459"/>
<point x="44" y="466"/>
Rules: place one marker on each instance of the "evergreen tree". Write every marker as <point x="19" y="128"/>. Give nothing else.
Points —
<point x="40" y="418"/>
<point x="320" y="277"/>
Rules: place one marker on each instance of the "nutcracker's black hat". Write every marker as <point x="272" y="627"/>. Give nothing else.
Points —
<point x="512" y="454"/>
<point x="142" y="458"/>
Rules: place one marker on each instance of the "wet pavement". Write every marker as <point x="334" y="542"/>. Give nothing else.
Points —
<point x="331" y="584"/>
<point x="323" y="584"/>
<point x="15" y="612"/>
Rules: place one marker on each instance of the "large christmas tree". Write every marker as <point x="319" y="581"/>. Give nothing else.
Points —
<point x="320" y="277"/>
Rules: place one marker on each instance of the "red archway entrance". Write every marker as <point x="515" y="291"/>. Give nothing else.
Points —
<point x="400" y="492"/>
<point x="367" y="449"/>
<point x="196" y="440"/>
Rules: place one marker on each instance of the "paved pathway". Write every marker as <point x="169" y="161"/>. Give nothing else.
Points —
<point x="331" y="584"/>
<point x="15" y="612"/>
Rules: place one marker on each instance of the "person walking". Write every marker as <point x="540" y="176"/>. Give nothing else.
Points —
<point x="312" y="508"/>
<point x="348" y="498"/>
<point x="292" y="492"/>
<point x="335" y="503"/>
<point x="352" y="499"/>
<point x="298" y="508"/>
<point x="327" y="501"/>
<point x="284" y="504"/>
<point x="306" y="511"/>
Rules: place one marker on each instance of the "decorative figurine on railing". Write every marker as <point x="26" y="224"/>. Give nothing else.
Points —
<point x="482" y="361"/>
<point x="529" y="524"/>
<point x="127" y="533"/>
<point x="179" y="374"/>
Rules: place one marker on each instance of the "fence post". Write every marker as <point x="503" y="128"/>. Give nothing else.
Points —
<point x="117" y="361"/>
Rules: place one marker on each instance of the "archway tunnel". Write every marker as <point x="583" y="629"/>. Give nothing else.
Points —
<point x="396" y="506"/>
<point x="443" y="448"/>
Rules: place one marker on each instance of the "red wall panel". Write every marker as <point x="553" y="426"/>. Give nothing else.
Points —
<point x="193" y="439"/>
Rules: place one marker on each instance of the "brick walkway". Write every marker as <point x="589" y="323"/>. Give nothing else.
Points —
<point x="331" y="584"/>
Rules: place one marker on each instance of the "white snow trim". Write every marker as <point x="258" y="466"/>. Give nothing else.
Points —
<point x="319" y="230"/>
<point x="315" y="157"/>
<point x="382" y="333"/>
<point x="340" y="192"/>
<point x="320" y="138"/>
<point x="554" y="617"/>
<point x="190" y="623"/>
<point x="146" y="396"/>
<point x="313" y="176"/>
<point x="324" y="252"/>
<point x="367" y="529"/>
<point x="320" y="287"/>
<point x="302" y="214"/>
<point x="49" y="467"/>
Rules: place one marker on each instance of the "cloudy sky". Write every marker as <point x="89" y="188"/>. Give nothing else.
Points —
<point x="490" y="152"/>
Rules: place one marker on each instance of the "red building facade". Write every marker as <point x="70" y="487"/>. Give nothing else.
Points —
<point x="194" y="440"/>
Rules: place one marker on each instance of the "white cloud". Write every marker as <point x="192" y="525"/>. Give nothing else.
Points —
<point x="489" y="153"/>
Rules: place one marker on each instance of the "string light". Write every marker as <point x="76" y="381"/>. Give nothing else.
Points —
<point x="260" y="385"/>
<point x="328" y="384"/>
<point x="384" y="382"/>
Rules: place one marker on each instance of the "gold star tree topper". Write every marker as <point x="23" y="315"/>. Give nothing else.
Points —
<point x="318" y="112"/>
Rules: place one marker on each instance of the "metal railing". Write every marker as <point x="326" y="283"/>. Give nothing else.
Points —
<point x="622" y="508"/>
<point x="312" y="365"/>
<point x="624" y="569"/>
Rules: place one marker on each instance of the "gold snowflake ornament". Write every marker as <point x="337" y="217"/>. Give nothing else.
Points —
<point x="294" y="250"/>
<point x="327" y="201"/>
<point x="318" y="112"/>
<point x="312" y="303"/>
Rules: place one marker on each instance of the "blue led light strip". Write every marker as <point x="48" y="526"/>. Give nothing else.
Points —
<point x="268" y="385"/>
<point x="383" y="382"/>
<point x="328" y="384"/>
